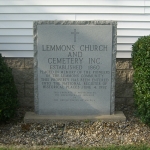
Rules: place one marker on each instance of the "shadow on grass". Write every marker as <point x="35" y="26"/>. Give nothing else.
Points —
<point x="126" y="147"/>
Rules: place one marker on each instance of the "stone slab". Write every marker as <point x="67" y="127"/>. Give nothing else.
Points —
<point x="31" y="117"/>
<point x="74" y="67"/>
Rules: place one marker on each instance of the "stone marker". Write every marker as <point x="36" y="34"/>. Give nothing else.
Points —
<point x="74" y="67"/>
<point x="74" y="71"/>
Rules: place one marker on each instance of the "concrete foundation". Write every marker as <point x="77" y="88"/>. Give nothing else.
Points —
<point x="22" y="69"/>
<point x="31" y="117"/>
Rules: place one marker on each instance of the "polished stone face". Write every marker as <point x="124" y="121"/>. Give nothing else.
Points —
<point x="74" y="69"/>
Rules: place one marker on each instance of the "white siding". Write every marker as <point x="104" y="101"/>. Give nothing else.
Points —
<point x="17" y="16"/>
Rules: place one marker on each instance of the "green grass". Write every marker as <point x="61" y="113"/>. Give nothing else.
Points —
<point x="128" y="147"/>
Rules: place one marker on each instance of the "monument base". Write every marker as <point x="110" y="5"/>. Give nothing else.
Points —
<point x="31" y="117"/>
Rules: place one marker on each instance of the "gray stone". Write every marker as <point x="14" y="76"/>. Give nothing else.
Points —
<point x="29" y="90"/>
<point x="125" y="66"/>
<point x="129" y="101"/>
<point x="20" y="89"/>
<point x="120" y="100"/>
<point x="123" y="63"/>
<point x="130" y="76"/>
<point x="15" y="62"/>
<point x="124" y="90"/>
<point x="121" y="76"/>
<point x="130" y="64"/>
<point x="31" y="117"/>
<point x="23" y="75"/>
<point x="26" y="102"/>
<point x="74" y="67"/>
<point x="29" y="63"/>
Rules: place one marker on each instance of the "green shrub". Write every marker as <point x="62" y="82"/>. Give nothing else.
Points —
<point x="8" y="92"/>
<point x="141" y="77"/>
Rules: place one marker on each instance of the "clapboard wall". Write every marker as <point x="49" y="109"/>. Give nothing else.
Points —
<point x="17" y="16"/>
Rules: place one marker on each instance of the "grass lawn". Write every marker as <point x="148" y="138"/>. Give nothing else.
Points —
<point x="129" y="147"/>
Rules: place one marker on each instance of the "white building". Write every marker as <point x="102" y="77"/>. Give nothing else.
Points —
<point x="17" y="16"/>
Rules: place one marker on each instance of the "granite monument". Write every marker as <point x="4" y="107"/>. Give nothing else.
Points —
<point x="74" y="67"/>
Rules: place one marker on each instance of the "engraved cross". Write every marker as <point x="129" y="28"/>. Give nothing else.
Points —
<point x="75" y="33"/>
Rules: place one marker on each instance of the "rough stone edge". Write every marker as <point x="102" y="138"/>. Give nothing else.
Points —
<point x="36" y="100"/>
<point x="114" y="51"/>
<point x="94" y="22"/>
<point x="31" y="117"/>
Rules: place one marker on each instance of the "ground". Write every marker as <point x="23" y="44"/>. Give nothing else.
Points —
<point x="75" y="133"/>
